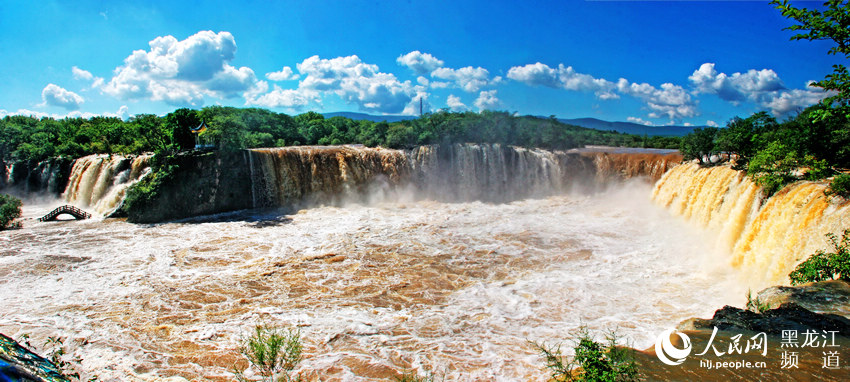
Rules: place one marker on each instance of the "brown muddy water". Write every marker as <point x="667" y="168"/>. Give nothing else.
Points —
<point x="458" y="289"/>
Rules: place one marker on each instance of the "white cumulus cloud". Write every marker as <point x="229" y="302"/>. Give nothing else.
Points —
<point x="454" y="103"/>
<point x="293" y="99"/>
<point x="356" y="82"/>
<point x="469" y="79"/>
<point x="738" y="86"/>
<point x="564" y="77"/>
<point x="55" y="95"/>
<point x="81" y="74"/>
<point x="487" y="100"/>
<point x="640" y="121"/>
<point x="182" y="72"/>
<point x="412" y="108"/>
<point x="785" y="102"/>
<point x="671" y="101"/>
<point x="282" y="75"/>
<point x="85" y="75"/>
<point x="420" y="63"/>
<point x="763" y="87"/>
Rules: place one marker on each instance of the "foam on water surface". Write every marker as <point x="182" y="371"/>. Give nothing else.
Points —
<point x="459" y="288"/>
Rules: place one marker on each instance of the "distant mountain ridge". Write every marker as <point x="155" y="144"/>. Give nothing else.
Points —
<point x="590" y="123"/>
<point x="369" y="117"/>
<point x="630" y="127"/>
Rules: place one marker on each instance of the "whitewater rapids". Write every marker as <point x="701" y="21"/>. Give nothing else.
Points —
<point x="458" y="289"/>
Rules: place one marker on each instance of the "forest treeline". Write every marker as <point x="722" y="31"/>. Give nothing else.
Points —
<point x="807" y="146"/>
<point x="28" y="138"/>
<point x="814" y="144"/>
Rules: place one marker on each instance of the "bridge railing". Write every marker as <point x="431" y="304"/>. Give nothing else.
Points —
<point x="74" y="211"/>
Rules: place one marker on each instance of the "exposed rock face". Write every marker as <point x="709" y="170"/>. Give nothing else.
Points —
<point x="832" y="297"/>
<point x="816" y="306"/>
<point x="28" y="177"/>
<point x="202" y="184"/>
<point x="310" y="175"/>
<point x="788" y="316"/>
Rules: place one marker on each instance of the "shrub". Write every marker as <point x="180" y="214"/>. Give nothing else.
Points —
<point x="825" y="266"/>
<point x="840" y="186"/>
<point x="593" y="361"/>
<point x="774" y="167"/>
<point x="272" y="351"/>
<point x="10" y="209"/>
<point x="755" y="304"/>
<point x="142" y="194"/>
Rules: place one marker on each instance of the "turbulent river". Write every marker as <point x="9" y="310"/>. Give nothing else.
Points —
<point x="455" y="288"/>
<point x="397" y="265"/>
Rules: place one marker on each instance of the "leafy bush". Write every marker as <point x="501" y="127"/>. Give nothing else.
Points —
<point x="593" y="361"/>
<point x="825" y="266"/>
<point x="141" y="194"/>
<point x="840" y="186"/>
<point x="773" y="167"/>
<point x="272" y="351"/>
<point x="10" y="209"/>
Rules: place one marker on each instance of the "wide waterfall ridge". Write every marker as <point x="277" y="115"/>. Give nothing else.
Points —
<point x="454" y="173"/>
<point x="766" y="238"/>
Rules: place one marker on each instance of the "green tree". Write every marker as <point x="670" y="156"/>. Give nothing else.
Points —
<point x="699" y="144"/>
<point x="227" y="132"/>
<point x="274" y="352"/>
<point x="831" y="23"/>
<point x="10" y="209"/>
<point x="180" y="122"/>
<point x="840" y="186"/>
<point x="774" y="167"/>
<point x="152" y="132"/>
<point x="739" y="137"/>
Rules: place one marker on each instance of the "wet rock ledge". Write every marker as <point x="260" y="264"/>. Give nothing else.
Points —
<point x="816" y="306"/>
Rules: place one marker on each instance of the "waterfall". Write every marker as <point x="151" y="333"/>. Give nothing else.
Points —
<point x="30" y="177"/>
<point x="766" y="238"/>
<point x="454" y="173"/>
<point x="492" y="172"/>
<point x="100" y="181"/>
<point x="317" y="175"/>
<point x="634" y="164"/>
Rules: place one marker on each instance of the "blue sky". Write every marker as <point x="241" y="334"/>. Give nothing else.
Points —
<point x="654" y="62"/>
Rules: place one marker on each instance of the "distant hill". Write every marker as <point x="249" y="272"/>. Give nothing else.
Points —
<point x="590" y="123"/>
<point x="629" y="127"/>
<point x="368" y="117"/>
